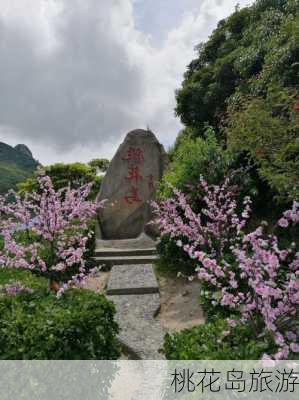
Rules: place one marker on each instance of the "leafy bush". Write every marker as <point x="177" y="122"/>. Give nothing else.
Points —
<point x="268" y="130"/>
<point x="211" y="341"/>
<point x="38" y="325"/>
<point x="73" y="175"/>
<point x="173" y="259"/>
<point x="193" y="157"/>
<point x="212" y="312"/>
<point x="254" y="47"/>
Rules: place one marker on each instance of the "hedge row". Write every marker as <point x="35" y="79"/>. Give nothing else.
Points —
<point x="79" y="325"/>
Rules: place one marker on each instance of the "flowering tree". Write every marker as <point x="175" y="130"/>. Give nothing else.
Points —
<point x="246" y="273"/>
<point x="47" y="231"/>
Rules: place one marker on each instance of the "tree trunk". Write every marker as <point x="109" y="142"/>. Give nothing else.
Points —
<point x="54" y="285"/>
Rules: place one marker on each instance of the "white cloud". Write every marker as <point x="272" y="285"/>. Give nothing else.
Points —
<point x="77" y="75"/>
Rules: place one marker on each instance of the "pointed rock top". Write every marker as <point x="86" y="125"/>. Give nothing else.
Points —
<point x="22" y="148"/>
<point x="142" y="133"/>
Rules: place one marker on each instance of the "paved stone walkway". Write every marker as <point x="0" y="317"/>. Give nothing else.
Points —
<point x="132" y="279"/>
<point x="134" y="290"/>
<point x="141" y="334"/>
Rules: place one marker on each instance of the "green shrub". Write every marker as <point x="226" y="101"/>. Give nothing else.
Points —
<point x="209" y="342"/>
<point x="268" y="130"/>
<point x="211" y="312"/>
<point x="79" y="325"/>
<point x="192" y="157"/>
<point x="74" y="175"/>
<point x="251" y="48"/>
<point x="173" y="259"/>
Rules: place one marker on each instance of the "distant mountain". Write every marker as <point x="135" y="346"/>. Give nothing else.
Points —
<point x="16" y="164"/>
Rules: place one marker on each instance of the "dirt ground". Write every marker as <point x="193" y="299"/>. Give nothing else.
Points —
<point x="180" y="308"/>
<point x="98" y="282"/>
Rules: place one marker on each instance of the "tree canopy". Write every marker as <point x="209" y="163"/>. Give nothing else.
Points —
<point x="244" y="84"/>
<point x="73" y="175"/>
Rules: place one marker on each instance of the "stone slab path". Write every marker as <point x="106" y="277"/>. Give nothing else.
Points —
<point x="141" y="334"/>
<point x="133" y="288"/>
<point x="132" y="279"/>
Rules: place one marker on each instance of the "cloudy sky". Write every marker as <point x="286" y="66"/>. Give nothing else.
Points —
<point x="76" y="75"/>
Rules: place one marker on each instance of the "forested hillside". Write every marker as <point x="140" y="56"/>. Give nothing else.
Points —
<point x="16" y="164"/>
<point x="244" y="85"/>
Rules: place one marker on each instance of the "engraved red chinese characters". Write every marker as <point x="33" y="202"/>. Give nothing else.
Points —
<point x="134" y="154"/>
<point x="129" y="185"/>
<point x="133" y="196"/>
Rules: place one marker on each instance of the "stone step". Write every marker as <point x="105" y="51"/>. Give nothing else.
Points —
<point x="132" y="279"/>
<point x="114" y="252"/>
<point x="115" y="260"/>
<point x="140" y="333"/>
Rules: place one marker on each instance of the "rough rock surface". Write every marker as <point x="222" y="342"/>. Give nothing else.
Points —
<point x="22" y="148"/>
<point x="129" y="184"/>
<point x="142" y="242"/>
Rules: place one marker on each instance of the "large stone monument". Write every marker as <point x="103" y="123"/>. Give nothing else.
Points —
<point x="129" y="185"/>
